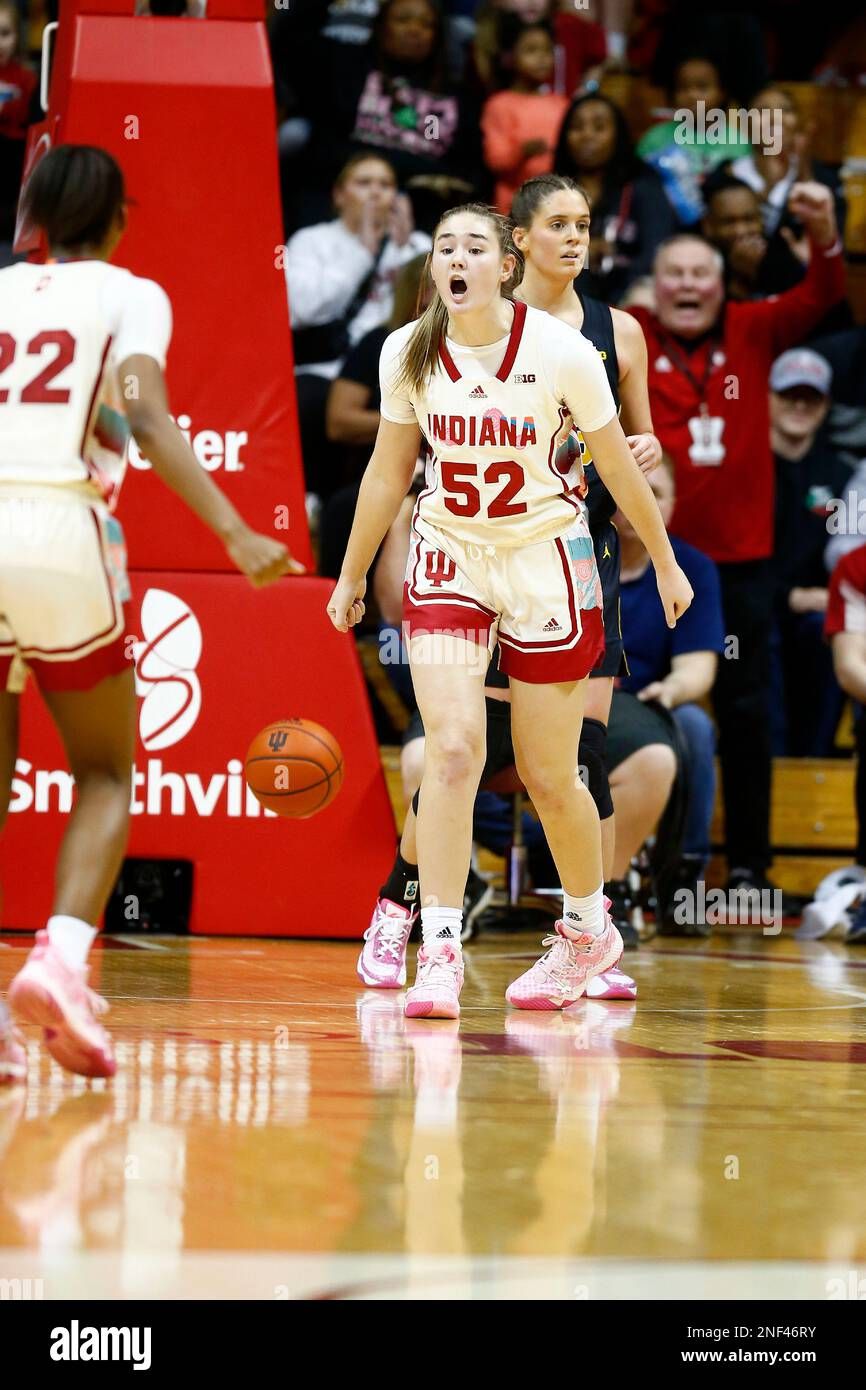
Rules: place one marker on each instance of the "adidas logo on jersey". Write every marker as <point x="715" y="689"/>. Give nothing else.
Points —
<point x="552" y="626"/>
<point x="478" y="394"/>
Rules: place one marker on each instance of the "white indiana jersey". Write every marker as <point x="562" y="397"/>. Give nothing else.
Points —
<point x="65" y="328"/>
<point x="504" y="466"/>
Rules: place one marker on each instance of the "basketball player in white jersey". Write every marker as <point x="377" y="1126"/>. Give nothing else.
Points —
<point x="501" y="548"/>
<point x="82" y="351"/>
<point x="552" y="228"/>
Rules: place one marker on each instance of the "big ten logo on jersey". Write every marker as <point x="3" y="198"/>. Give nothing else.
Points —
<point x="440" y="568"/>
<point x="212" y="449"/>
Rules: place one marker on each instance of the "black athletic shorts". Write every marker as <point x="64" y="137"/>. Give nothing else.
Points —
<point x="632" y="725"/>
<point x="606" y="543"/>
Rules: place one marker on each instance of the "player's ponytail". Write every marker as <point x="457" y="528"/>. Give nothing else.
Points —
<point x="422" y="350"/>
<point x="74" y="195"/>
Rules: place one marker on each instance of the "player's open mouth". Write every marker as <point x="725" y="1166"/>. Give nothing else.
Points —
<point x="458" y="287"/>
<point x="688" y="302"/>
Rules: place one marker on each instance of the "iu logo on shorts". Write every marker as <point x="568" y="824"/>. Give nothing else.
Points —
<point x="441" y="569"/>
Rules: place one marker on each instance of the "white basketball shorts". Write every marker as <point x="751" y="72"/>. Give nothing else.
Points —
<point x="543" y="600"/>
<point x="63" y="586"/>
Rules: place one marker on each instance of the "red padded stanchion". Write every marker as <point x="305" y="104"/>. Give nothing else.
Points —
<point x="215" y="662"/>
<point x="186" y="106"/>
<point x="187" y="109"/>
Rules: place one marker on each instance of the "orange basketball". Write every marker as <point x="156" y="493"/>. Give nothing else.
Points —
<point x="294" y="767"/>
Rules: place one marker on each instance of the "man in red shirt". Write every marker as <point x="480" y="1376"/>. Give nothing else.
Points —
<point x="709" y="367"/>
<point x="845" y="628"/>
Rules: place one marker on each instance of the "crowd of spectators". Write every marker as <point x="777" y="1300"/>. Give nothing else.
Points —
<point x="699" y="231"/>
<point x="391" y="111"/>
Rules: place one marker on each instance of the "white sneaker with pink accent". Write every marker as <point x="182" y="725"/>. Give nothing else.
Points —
<point x="612" y="984"/>
<point x="561" y="976"/>
<point x="55" y="996"/>
<point x="436" y="991"/>
<point x="382" y="962"/>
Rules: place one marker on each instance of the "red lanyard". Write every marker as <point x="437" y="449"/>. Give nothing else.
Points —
<point x="681" y="361"/>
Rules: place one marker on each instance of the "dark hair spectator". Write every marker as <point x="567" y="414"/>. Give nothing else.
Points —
<point x="630" y="211"/>
<point x="520" y="125"/>
<point x="773" y="169"/>
<point x="757" y="264"/>
<point x="680" y="148"/>
<point x="17" y="96"/>
<point x="581" y="45"/>
<point x="340" y="276"/>
<point x="352" y="411"/>
<point x="393" y="96"/>
<point x="727" y="36"/>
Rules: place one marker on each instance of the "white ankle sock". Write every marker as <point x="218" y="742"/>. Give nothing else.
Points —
<point x="584" y="914"/>
<point x="441" y="924"/>
<point x="72" y="938"/>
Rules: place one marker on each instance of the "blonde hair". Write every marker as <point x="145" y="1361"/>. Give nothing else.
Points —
<point x="422" y="350"/>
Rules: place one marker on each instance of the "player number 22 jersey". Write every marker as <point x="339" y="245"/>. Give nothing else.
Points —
<point x="500" y="420"/>
<point x="65" y="328"/>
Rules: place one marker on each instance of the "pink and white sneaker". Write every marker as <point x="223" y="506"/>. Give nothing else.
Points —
<point x="13" y="1057"/>
<point x="436" y="991"/>
<point x="382" y="962"/>
<point x="563" y="973"/>
<point x="53" y="995"/>
<point x="612" y="984"/>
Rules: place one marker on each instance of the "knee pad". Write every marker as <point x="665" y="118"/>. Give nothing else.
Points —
<point x="593" y="763"/>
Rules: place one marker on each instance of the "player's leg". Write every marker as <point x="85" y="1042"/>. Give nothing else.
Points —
<point x="382" y="962"/>
<point x="593" y="740"/>
<point x="13" y="1059"/>
<point x="98" y="730"/>
<point x="546" y="722"/>
<point x="596" y="714"/>
<point x="594" y="762"/>
<point x="448" y="676"/>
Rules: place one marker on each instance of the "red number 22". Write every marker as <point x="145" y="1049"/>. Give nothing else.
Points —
<point x="39" y="391"/>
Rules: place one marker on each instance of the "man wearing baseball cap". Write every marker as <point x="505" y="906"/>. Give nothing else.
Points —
<point x="809" y="476"/>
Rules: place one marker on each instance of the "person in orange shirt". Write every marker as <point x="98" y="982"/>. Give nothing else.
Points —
<point x="520" y="126"/>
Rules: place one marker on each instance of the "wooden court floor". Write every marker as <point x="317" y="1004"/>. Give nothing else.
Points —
<point x="277" y="1131"/>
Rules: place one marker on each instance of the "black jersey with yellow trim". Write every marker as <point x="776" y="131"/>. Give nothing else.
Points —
<point x="598" y="328"/>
